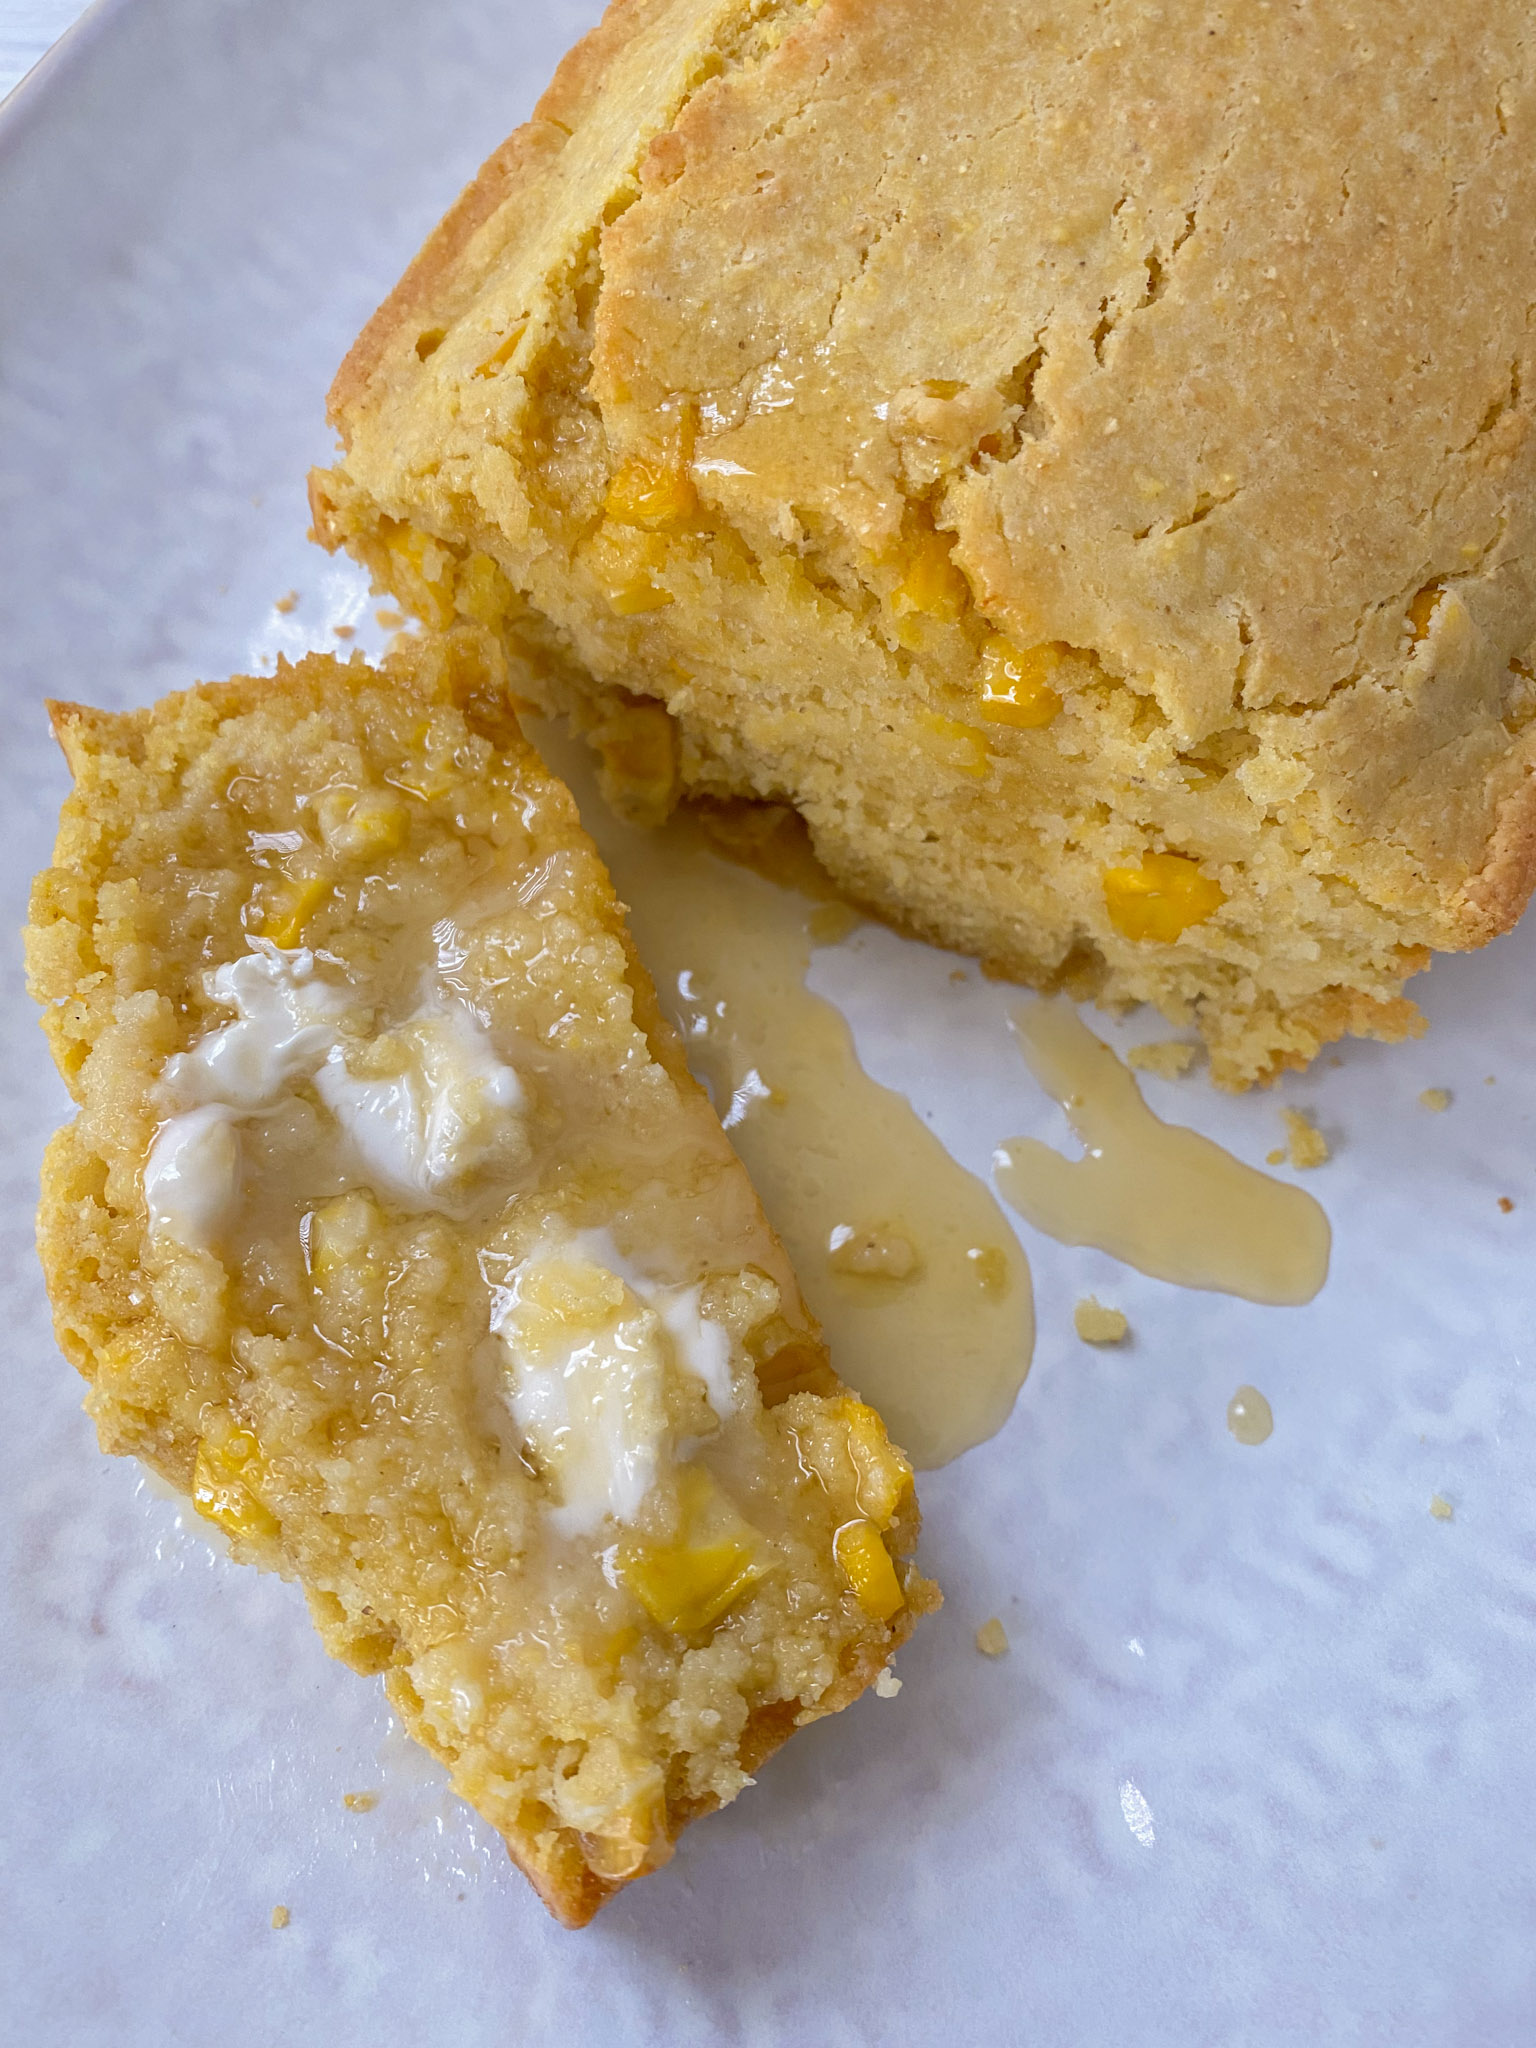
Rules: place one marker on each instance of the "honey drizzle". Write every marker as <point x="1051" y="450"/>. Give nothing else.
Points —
<point x="1163" y="1199"/>
<point x="942" y="1350"/>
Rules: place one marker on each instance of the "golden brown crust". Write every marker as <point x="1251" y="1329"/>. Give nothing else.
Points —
<point x="510" y="173"/>
<point x="1291" y="602"/>
<point x="1493" y="900"/>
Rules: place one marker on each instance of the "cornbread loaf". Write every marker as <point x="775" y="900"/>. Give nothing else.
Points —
<point x="392" y="1230"/>
<point x="1077" y="455"/>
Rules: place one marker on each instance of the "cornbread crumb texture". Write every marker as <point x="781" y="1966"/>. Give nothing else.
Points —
<point x="1096" y="1324"/>
<point x="392" y="1230"/>
<point x="1435" y="1099"/>
<point x="1109" y="521"/>
<point x="992" y="1638"/>
<point x="1168" y="1058"/>
<point x="1442" y="1509"/>
<point x="280" y="1917"/>
<point x="1304" y="1145"/>
<point x="360" y="1802"/>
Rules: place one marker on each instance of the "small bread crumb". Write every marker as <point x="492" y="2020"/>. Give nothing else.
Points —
<point x="1168" y="1058"/>
<point x="344" y="632"/>
<point x="289" y="603"/>
<point x="389" y="618"/>
<point x="887" y="1685"/>
<point x="360" y="1802"/>
<point x="280" y="1917"/>
<point x="1305" y="1143"/>
<point x="1505" y="1204"/>
<point x="992" y="1638"/>
<point x="1435" y="1099"/>
<point x="1096" y="1324"/>
<point x="1441" y="1508"/>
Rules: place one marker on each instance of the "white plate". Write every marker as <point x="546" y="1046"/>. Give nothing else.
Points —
<point x="1319" y="1694"/>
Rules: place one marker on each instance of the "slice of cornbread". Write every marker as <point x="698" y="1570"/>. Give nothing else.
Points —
<point x="1080" y="456"/>
<point x="393" y="1231"/>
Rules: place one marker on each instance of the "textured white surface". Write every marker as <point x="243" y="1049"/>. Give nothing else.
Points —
<point x="28" y="28"/>
<point x="1259" y="1767"/>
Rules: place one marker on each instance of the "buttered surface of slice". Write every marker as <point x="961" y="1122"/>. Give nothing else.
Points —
<point x="392" y="1229"/>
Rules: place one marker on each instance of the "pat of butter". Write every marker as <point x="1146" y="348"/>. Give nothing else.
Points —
<point x="442" y="1106"/>
<point x="420" y="1108"/>
<point x="588" y="1345"/>
<point x="192" y="1177"/>
<point x="287" y="1021"/>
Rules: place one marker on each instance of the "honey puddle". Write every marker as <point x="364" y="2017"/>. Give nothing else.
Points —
<point x="906" y="1259"/>
<point x="1166" y="1200"/>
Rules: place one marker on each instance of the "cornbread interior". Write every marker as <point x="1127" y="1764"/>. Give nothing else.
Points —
<point x="324" y="1379"/>
<point x="1080" y="457"/>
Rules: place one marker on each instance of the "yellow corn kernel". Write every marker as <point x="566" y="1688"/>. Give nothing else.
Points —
<point x="1016" y="683"/>
<point x="619" y="1645"/>
<point x="1161" y="898"/>
<point x="638" y="771"/>
<point x="504" y="354"/>
<point x="884" y="1478"/>
<point x="338" y="1232"/>
<point x="687" y="1590"/>
<point x="958" y="746"/>
<point x="931" y="584"/>
<point x="866" y="1564"/>
<point x="221" y="1490"/>
<point x="652" y="492"/>
<point x="686" y="1586"/>
<point x="361" y="827"/>
<point x="292" y="909"/>
<point x="431" y="777"/>
<point x="636" y="594"/>
<point x="1422" y="610"/>
<point x="421" y="573"/>
<point x="483" y="592"/>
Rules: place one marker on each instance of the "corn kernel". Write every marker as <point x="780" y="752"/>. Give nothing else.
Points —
<point x="284" y="922"/>
<point x="483" y="592"/>
<point x="652" y="493"/>
<point x="422" y="573"/>
<point x="221" y="1492"/>
<point x="504" y="354"/>
<point x="687" y="1590"/>
<point x="638" y="773"/>
<point x="932" y="584"/>
<point x="1161" y="898"/>
<point x="866" y="1564"/>
<point x="619" y="1645"/>
<point x="688" y="1585"/>
<point x="1015" y="684"/>
<point x="361" y="828"/>
<point x="883" y="1476"/>
<point x="1422" y="610"/>
<point x="637" y="594"/>
<point x="960" y="747"/>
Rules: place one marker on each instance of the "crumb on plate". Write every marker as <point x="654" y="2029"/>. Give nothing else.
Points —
<point x="1096" y="1324"/>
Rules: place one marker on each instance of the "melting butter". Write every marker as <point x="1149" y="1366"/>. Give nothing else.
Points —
<point x="905" y="1258"/>
<point x="1166" y="1200"/>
